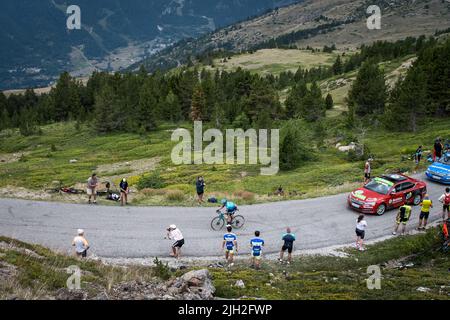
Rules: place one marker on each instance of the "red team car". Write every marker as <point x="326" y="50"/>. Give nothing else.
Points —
<point x="387" y="192"/>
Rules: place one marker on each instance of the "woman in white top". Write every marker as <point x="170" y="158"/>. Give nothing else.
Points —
<point x="361" y="226"/>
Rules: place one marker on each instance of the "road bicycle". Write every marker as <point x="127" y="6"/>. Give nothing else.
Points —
<point x="220" y="221"/>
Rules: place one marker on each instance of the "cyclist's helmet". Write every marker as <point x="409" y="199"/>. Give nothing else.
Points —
<point x="224" y="201"/>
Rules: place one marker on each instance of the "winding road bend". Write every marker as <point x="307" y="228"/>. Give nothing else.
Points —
<point x="137" y="232"/>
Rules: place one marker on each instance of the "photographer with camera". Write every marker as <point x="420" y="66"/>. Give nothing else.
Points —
<point x="173" y="233"/>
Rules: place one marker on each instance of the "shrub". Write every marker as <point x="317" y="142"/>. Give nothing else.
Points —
<point x="245" y="195"/>
<point x="175" y="195"/>
<point x="153" y="192"/>
<point x="161" y="269"/>
<point x="153" y="181"/>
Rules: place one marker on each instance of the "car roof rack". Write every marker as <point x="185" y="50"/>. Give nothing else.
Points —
<point x="394" y="177"/>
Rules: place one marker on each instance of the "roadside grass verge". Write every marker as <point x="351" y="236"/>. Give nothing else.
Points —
<point x="329" y="278"/>
<point x="39" y="273"/>
<point x="406" y="263"/>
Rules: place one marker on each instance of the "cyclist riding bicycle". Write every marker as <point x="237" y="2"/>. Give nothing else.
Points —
<point x="230" y="208"/>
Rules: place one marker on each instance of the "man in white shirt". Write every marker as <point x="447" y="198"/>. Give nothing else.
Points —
<point x="173" y="233"/>
<point x="81" y="245"/>
<point x="91" y="189"/>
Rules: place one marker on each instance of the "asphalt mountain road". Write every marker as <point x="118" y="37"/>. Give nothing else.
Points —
<point x="138" y="232"/>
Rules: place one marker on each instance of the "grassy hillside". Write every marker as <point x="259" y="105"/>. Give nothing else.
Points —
<point x="407" y="263"/>
<point x="35" y="162"/>
<point x="275" y="61"/>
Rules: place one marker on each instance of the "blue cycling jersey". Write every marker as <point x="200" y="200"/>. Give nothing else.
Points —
<point x="230" y="206"/>
<point x="229" y="238"/>
<point x="257" y="244"/>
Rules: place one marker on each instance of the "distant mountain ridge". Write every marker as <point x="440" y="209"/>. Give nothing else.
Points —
<point x="37" y="46"/>
<point x="315" y="23"/>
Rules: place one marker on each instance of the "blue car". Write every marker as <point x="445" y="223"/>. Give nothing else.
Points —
<point x="440" y="170"/>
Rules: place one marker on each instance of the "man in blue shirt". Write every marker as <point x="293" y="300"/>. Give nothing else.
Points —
<point x="288" y="245"/>
<point x="256" y="244"/>
<point x="229" y="245"/>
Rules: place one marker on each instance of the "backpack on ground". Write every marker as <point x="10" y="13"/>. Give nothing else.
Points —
<point x="212" y="200"/>
<point x="113" y="197"/>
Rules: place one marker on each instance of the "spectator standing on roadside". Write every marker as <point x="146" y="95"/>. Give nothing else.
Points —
<point x="367" y="170"/>
<point x="418" y="155"/>
<point x="426" y="204"/>
<point x="438" y="147"/>
<point x="361" y="226"/>
<point x="123" y="192"/>
<point x="288" y="245"/>
<point x="81" y="245"/>
<point x="92" y="185"/>
<point x="200" y="186"/>
<point x="404" y="213"/>
<point x="230" y="245"/>
<point x="256" y="244"/>
<point x="445" y="199"/>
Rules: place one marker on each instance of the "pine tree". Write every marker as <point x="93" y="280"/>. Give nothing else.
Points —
<point x="145" y="115"/>
<point x="294" y="100"/>
<point x="312" y="107"/>
<point x="368" y="92"/>
<point x="293" y="145"/>
<point x="408" y="100"/>
<point x="198" y="104"/>
<point x="4" y="116"/>
<point x="28" y="122"/>
<point x="66" y="97"/>
<point x="4" y="119"/>
<point x="172" y="108"/>
<point x="337" y="66"/>
<point x="329" y="103"/>
<point x="103" y="110"/>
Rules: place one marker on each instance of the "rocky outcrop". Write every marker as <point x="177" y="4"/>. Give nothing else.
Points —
<point x="194" y="285"/>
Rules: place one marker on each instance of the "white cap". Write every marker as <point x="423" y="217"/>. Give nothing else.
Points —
<point x="80" y="232"/>
<point x="172" y="226"/>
